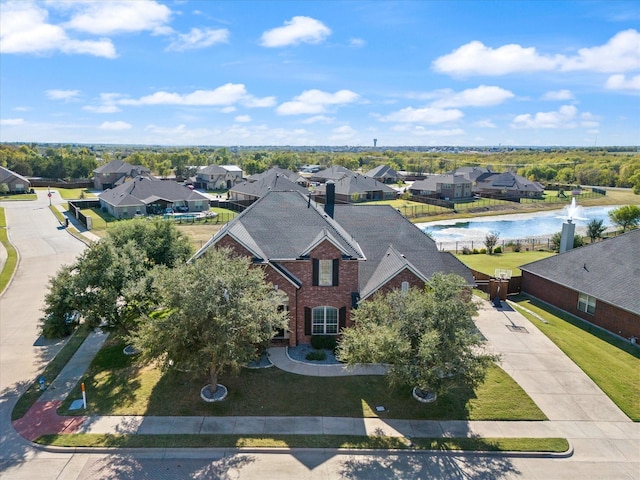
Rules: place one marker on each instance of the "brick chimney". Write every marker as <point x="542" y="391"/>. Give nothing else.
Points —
<point x="330" y="197"/>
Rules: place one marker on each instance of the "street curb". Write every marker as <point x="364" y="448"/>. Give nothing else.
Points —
<point x="285" y="450"/>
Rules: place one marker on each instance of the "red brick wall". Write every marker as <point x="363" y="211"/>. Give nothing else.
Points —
<point x="607" y="316"/>
<point x="396" y="282"/>
<point x="308" y="295"/>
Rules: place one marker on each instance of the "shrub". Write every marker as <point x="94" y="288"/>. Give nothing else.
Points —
<point x="483" y="250"/>
<point x="316" y="355"/>
<point x="517" y="246"/>
<point x="466" y="251"/>
<point x="323" y="341"/>
<point x="497" y="250"/>
<point x="475" y="251"/>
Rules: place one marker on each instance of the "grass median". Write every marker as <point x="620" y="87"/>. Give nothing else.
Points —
<point x="11" y="262"/>
<point x="547" y="445"/>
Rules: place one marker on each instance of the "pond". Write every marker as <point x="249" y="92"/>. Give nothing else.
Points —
<point x="455" y="234"/>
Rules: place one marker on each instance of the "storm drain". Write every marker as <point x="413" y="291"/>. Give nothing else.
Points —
<point x="517" y="329"/>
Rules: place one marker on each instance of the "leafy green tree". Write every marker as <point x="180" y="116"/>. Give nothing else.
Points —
<point x="214" y="313"/>
<point x="60" y="301"/>
<point x="111" y="283"/>
<point x="491" y="240"/>
<point x="595" y="229"/>
<point x="627" y="216"/>
<point x="427" y="337"/>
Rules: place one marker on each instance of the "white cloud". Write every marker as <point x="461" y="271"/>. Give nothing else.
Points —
<point x="24" y="29"/>
<point x="558" y="95"/>
<point x="620" y="54"/>
<point x="119" y="125"/>
<point x="318" y="119"/>
<point x="475" y="58"/>
<point x="342" y="133"/>
<point x="621" y="82"/>
<point x="197" y="38"/>
<point x="104" y="18"/>
<point x="482" y="96"/>
<point x="423" y="115"/>
<point x="484" y="124"/>
<point x="565" y="117"/>
<point x="242" y="118"/>
<point x="357" y="42"/>
<point x="297" y="30"/>
<point x="65" y="95"/>
<point x="225" y="95"/>
<point x="316" y="101"/>
<point x="11" y="121"/>
<point x="22" y="109"/>
<point x="101" y="108"/>
<point x="253" y="102"/>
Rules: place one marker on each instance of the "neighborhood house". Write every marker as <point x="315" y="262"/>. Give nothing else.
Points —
<point x="599" y="283"/>
<point x="325" y="260"/>
<point x="150" y="196"/>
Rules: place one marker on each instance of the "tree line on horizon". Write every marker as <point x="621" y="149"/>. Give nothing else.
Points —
<point x="608" y="167"/>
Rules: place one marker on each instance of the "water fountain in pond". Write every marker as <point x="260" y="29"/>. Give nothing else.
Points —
<point x="573" y="211"/>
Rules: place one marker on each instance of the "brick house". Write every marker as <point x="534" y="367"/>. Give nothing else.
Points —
<point x="448" y="187"/>
<point x="116" y="173"/>
<point x="599" y="283"/>
<point x="324" y="260"/>
<point x="13" y="182"/>
<point x="218" y="177"/>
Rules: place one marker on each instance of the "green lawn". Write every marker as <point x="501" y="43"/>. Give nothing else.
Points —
<point x="612" y="363"/>
<point x="71" y="193"/>
<point x="557" y="445"/>
<point x="507" y="261"/>
<point x="18" y="197"/>
<point x="12" y="255"/>
<point x="115" y="385"/>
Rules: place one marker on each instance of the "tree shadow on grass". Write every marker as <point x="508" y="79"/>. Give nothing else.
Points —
<point x="277" y="393"/>
<point x="111" y="382"/>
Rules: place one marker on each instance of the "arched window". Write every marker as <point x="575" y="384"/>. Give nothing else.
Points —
<point x="405" y="287"/>
<point x="324" y="321"/>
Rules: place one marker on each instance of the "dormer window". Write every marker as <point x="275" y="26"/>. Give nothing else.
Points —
<point x="325" y="272"/>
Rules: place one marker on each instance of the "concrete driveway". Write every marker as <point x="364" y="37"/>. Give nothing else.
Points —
<point x="606" y="443"/>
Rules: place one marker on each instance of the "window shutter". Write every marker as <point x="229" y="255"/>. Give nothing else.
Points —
<point x="342" y="318"/>
<point x="316" y="271"/>
<point x="336" y="266"/>
<point x="307" y="321"/>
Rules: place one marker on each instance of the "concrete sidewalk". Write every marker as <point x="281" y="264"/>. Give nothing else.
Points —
<point x="281" y="359"/>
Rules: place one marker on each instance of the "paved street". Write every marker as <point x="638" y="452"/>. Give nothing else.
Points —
<point x="606" y="444"/>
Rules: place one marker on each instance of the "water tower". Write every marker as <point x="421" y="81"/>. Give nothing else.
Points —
<point x="375" y="142"/>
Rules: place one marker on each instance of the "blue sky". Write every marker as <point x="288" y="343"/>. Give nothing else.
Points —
<point x="416" y="73"/>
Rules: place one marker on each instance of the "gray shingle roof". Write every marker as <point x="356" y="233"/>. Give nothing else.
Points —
<point x="284" y="225"/>
<point x="608" y="270"/>
<point x="376" y="227"/>
<point x="6" y="175"/>
<point x="382" y="171"/>
<point x="145" y="190"/>
<point x="120" y="166"/>
<point x="510" y="182"/>
<point x="356" y="183"/>
<point x="271" y="180"/>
